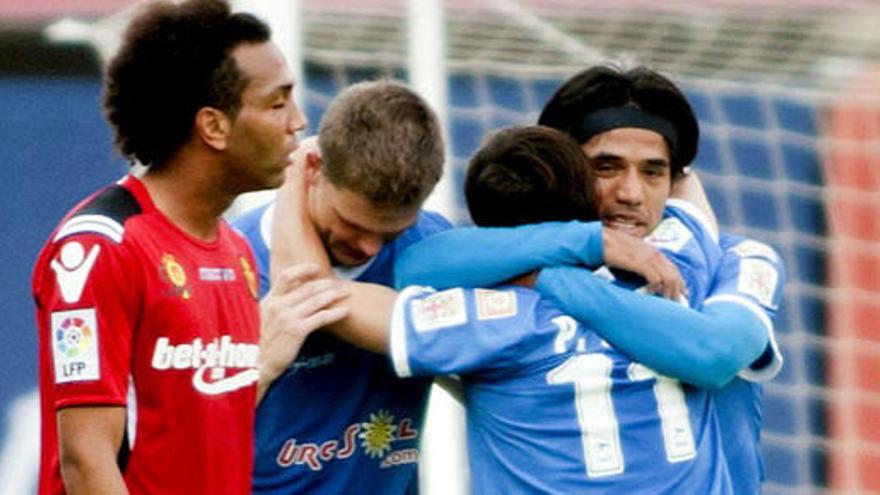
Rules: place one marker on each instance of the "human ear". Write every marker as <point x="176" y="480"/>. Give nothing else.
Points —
<point x="313" y="167"/>
<point x="213" y="126"/>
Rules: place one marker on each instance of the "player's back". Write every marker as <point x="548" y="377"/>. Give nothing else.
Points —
<point x="551" y="408"/>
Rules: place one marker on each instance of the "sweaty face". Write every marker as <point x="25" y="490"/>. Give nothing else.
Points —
<point x="633" y="178"/>
<point x="263" y="134"/>
<point x="352" y="229"/>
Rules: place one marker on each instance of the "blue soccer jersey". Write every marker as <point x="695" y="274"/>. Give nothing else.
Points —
<point x="551" y="408"/>
<point x="751" y="274"/>
<point x="339" y="420"/>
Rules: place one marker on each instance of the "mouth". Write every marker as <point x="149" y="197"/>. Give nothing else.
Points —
<point x="350" y="257"/>
<point x="629" y="224"/>
<point x="291" y="149"/>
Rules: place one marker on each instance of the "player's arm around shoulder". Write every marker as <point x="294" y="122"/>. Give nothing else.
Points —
<point x="468" y="256"/>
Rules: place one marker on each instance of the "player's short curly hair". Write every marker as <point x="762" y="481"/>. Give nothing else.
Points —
<point x="174" y="60"/>
<point x="641" y="88"/>
<point x="529" y="174"/>
<point x="382" y="141"/>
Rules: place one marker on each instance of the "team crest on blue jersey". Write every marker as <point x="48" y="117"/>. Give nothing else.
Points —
<point x="174" y="273"/>
<point x="750" y="248"/>
<point x="439" y="310"/>
<point x="671" y="234"/>
<point x="495" y="304"/>
<point x="758" y="279"/>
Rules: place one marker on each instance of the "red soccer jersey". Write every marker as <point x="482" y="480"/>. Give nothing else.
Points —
<point x="133" y="312"/>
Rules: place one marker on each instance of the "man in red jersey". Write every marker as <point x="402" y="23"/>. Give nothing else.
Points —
<point x="146" y="300"/>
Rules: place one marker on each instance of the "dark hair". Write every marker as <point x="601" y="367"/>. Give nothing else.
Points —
<point x="382" y="141"/>
<point x="529" y="174"/>
<point x="174" y="60"/>
<point x="604" y="86"/>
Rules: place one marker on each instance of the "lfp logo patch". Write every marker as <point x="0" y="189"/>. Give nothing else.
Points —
<point x="75" y="345"/>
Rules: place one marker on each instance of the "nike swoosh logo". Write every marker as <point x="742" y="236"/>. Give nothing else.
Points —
<point x="228" y="384"/>
<point x="73" y="281"/>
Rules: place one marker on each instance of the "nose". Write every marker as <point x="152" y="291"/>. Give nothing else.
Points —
<point x="630" y="189"/>
<point x="297" y="120"/>
<point x="370" y="244"/>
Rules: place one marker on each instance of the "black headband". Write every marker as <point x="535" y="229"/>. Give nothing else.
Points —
<point x="607" y="119"/>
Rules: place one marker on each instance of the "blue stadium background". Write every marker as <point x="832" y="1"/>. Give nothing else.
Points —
<point x="56" y="149"/>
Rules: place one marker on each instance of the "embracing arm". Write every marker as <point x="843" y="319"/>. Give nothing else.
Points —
<point x="706" y="349"/>
<point x="295" y="241"/>
<point x="487" y="256"/>
<point x="484" y="256"/>
<point x="89" y="438"/>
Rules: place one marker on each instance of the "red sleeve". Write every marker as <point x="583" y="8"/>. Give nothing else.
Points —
<point x="88" y="291"/>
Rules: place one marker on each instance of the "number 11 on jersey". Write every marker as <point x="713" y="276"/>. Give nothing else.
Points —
<point x="590" y="373"/>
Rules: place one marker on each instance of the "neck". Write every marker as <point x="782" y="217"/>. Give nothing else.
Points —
<point x="526" y="280"/>
<point x="190" y="196"/>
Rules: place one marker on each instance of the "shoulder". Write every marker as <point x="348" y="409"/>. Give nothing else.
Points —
<point x="256" y="224"/>
<point x="96" y="223"/>
<point x="427" y="224"/>
<point x="685" y="213"/>
<point x="90" y="236"/>
<point x="103" y="214"/>
<point x="743" y="247"/>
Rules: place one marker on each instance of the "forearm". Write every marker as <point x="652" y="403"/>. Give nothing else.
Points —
<point x="704" y="349"/>
<point x="477" y="257"/>
<point x="294" y="238"/>
<point x="368" y="326"/>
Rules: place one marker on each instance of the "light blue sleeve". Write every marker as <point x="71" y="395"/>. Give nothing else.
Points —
<point x="703" y="349"/>
<point x="752" y="275"/>
<point x="480" y="257"/>
<point x="460" y="331"/>
<point x="687" y="239"/>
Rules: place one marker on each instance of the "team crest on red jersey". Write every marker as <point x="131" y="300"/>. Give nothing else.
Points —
<point x="250" y="277"/>
<point x="173" y="272"/>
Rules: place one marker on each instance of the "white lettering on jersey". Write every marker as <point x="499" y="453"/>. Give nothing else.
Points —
<point x="212" y="274"/>
<point x="495" y="304"/>
<point x="215" y="356"/>
<point x="75" y="346"/>
<point x="758" y="279"/>
<point x="439" y="310"/>
<point x="671" y="234"/>
<point x="749" y="248"/>
<point x="72" y="268"/>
